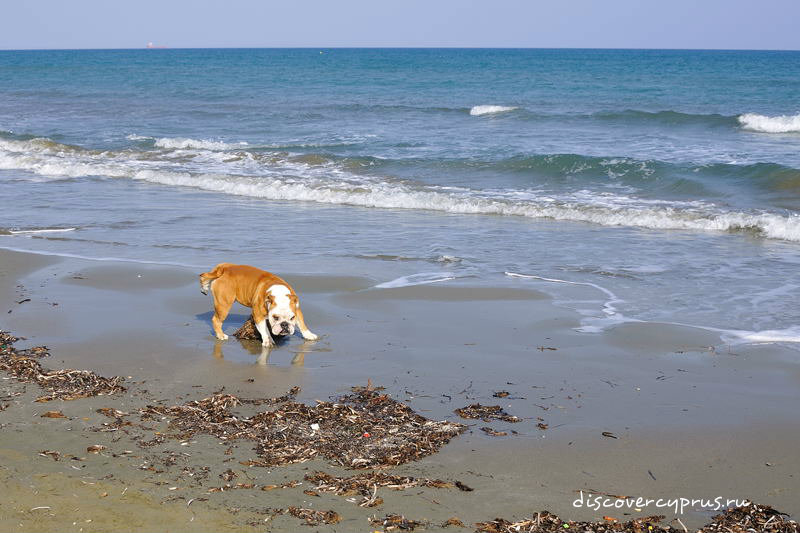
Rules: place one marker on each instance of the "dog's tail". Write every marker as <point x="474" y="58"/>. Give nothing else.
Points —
<point x="207" y="277"/>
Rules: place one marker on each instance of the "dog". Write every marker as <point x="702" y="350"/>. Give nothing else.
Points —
<point x="271" y="299"/>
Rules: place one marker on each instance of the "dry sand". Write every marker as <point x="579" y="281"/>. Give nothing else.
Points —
<point x="692" y="417"/>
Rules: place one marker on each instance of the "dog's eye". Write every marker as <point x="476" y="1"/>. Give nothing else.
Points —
<point x="275" y="317"/>
<point x="292" y="318"/>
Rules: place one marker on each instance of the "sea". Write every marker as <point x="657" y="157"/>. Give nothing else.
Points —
<point x="631" y="185"/>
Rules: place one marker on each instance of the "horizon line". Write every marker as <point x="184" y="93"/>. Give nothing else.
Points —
<point x="164" y="47"/>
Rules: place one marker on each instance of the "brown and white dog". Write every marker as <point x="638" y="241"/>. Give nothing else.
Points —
<point x="270" y="298"/>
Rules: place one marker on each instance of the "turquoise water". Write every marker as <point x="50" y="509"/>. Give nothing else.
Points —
<point x="666" y="184"/>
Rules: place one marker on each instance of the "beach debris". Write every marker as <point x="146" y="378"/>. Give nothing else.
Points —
<point x="462" y="487"/>
<point x="453" y="521"/>
<point x="542" y="425"/>
<point x="287" y="485"/>
<point x="366" y="485"/>
<point x="744" y="519"/>
<point x="228" y="475"/>
<point x="359" y="430"/>
<point x="501" y="394"/>
<point x="63" y="384"/>
<point x="95" y="448"/>
<point x="228" y="486"/>
<point x="545" y="521"/>
<point x="53" y="414"/>
<point x="54" y="455"/>
<point x="487" y="413"/>
<point x="315" y="518"/>
<point x="248" y="331"/>
<point x="609" y="435"/>
<point x="752" y="517"/>
<point x="394" y="522"/>
<point x="493" y="433"/>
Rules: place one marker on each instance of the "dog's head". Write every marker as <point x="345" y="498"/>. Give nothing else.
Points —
<point x="281" y="310"/>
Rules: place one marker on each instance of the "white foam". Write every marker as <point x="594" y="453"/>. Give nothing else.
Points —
<point x="767" y="336"/>
<point x="42" y="230"/>
<point x="590" y="324"/>
<point x="101" y="259"/>
<point x="423" y="278"/>
<point x="479" y="110"/>
<point x="281" y="178"/>
<point x="765" y="124"/>
<point x="180" y="143"/>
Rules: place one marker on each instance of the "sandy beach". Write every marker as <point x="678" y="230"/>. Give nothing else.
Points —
<point x="643" y="409"/>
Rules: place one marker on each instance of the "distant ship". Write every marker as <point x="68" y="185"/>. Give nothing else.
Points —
<point x="151" y="45"/>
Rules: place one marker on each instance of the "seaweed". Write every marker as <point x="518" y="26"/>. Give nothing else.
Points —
<point x="65" y="384"/>
<point x="487" y="413"/>
<point x="360" y="430"/>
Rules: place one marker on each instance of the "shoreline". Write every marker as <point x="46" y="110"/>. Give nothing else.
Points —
<point x="682" y="424"/>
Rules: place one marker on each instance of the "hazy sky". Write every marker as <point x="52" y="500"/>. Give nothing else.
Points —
<point x="749" y="24"/>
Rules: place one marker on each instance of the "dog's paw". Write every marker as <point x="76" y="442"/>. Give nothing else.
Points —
<point x="269" y="344"/>
<point x="310" y="336"/>
<point x="222" y="337"/>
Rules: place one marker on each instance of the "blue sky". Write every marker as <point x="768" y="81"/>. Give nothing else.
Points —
<point x="752" y="24"/>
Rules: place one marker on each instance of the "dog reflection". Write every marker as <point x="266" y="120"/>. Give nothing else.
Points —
<point x="263" y="352"/>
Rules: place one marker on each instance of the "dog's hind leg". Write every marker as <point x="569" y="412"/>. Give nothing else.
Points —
<point x="222" y="307"/>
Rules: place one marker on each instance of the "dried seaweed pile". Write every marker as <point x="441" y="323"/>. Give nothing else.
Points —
<point x="748" y="518"/>
<point x="487" y="413"/>
<point x="360" y="430"/>
<point x="761" y="518"/>
<point x="64" y="384"/>
<point x="395" y="522"/>
<point x="314" y="518"/>
<point x="547" y="522"/>
<point x="248" y="331"/>
<point x="366" y="485"/>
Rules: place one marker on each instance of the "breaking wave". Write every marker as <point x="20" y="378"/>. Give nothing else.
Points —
<point x="289" y="178"/>
<point x="765" y="124"/>
<point x="489" y="109"/>
<point x="182" y="143"/>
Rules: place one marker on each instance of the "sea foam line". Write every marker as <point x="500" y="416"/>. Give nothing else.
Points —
<point x="100" y="259"/>
<point x="423" y="278"/>
<point x="731" y="336"/>
<point x="41" y="230"/>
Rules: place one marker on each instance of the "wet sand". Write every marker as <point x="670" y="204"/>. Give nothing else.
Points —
<point x="692" y="416"/>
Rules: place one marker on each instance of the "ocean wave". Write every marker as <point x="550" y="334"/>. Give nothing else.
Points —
<point x="32" y="231"/>
<point x="765" y="124"/>
<point x="667" y="117"/>
<point x="288" y="180"/>
<point x="479" y="110"/>
<point x="180" y="143"/>
<point x="184" y="143"/>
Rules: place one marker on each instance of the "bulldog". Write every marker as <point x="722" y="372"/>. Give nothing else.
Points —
<point x="271" y="299"/>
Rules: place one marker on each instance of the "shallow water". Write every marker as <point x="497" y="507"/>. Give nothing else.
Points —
<point x="659" y="185"/>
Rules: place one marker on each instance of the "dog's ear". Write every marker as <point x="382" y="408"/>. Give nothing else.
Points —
<point x="270" y="300"/>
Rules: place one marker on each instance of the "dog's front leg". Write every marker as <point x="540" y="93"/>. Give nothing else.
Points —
<point x="266" y="338"/>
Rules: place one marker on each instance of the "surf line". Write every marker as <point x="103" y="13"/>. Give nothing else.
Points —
<point x="608" y="306"/>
